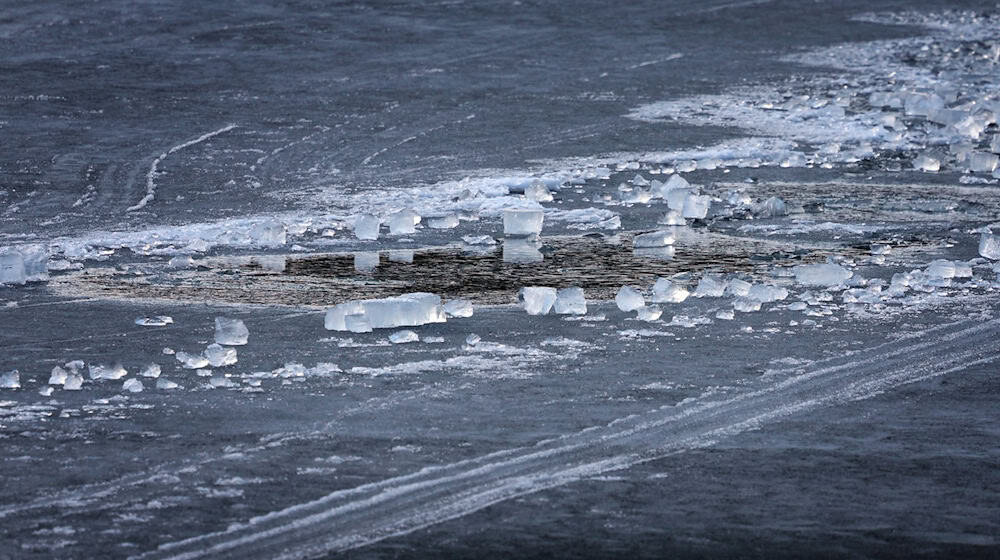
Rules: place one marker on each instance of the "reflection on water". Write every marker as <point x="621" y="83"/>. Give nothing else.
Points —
<point x="521" y="251"/>
<point x="658" y="253"/>
<point x="365" y="261"/>
<point x="401" y="256"/>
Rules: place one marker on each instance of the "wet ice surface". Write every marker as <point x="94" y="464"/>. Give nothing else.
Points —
<point x="607" y="312"/>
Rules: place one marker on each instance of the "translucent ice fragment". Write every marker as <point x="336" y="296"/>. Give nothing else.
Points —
<point x="74" y="382"/>
<point x="737" y="287"/>
<point x="357" y="323"/>
<point x="219" y="356"/>
<point x="155" y="321"/>
<point x="571" y="301"/>
<point x="407" y="310"/>
<point x="824" y="274"/>
<point x="710" y="285"/>
<point x="538" y="192"/>
<point x="152" y="370"/>
<point x="10" y="380"/>
<point x="746" y="305"/>
<point x="522" y="221"/>
<point x="458" y="308"/>
<point x="473" y="339"/>
<point x="629" y="299"/>
<point x="114" y="371"/>
<point x="672" y="218"/>
<point x="766" y="294"/>
<point x="403" y="337"/>
<point x="165" y="384"/>
<point x="654" y="239"/>
<point x="926" y="163"/>
<point x="696" y="206"/>
<point x="537" y="300"/>
<point x="12" y="267"/>
<point x="181" y="261"/>
<point x="448" y="221"/>
<point x="649" y="313"/>
<point x="270" y="233"/>
<point x="665" y="291"/>
<point x="58" y="376"/>
<point x="36" y="262"/>
<point x="365" y="261"/>
<point x="403" y="222"/>
<point x="770" y="208"/>
<point x="132" y="385"/>
<point x="982" y="162"/>
<point x="366" y="227"/>
<point x="230" y="332"/>
<point x="191" y="361"/>
<point x="989" y="245"/>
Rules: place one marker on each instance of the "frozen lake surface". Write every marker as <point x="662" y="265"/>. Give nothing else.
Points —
<point x="482" y="279"/>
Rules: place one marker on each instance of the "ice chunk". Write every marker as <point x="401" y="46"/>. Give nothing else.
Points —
<point x="152" y="370"/>
<point x="940" y="268"/>
<point x="710" y="285"/>
<point x="12" y="267"/>
<point x="989" y="245"/>
<point x="982" y="162"/>
<point x="448" y="221"/>
<point x="629" y="299"/>
<point x="676" y="198"/>
<point x="649" y="313"/>
<point x="357" y="323"/>
<point x="403" y="222"/>
<point x="191" y="361"/>
<point x="654" y="239"/>
<point x="155" y="321"/>
<point x="696" y="206"/>
<point x="114" y="371"/>
<point x="725" y="315"/>
<point x="58" y="376"/>
<point x="458" y="308"/>
<point x="366" y="227"/>
<point x="926" y="163"/>
<point x="571" y="301"/>
<point x="640" y="181"/>
<point x="270" y="233"/>
<point x="181" y="261"/>
<point x="403" y="337"/>
<point x="36" y="262"/>
<point x="538" y="192"/>
<point x="737" y="287"/>
<point x="365" y="261"/>
<point x="672" y="218"/>
<point x="522" y="221"/>
<point x="74" y="382"/>
<point x="478" y="240"/>
<point x="221" y="382"/>
<point x="995" y="144"/>
<point x="10" y="380"/>
<point x="407" y="310"/>
<point x="665" y="291"/>
<point x="219" y="356"/>
<point x="45" y="391"/>
<point x="746" y="305"/>
<point x="230" y="332"/>
<point x="132" y="385"/>
<point x="922" y="104"/>
<point x="165" y="384"/>
<point x="473" y="339"/>
<point x="537" y="300"/>
<point x="766" y="294"/>
<point x="824" y="274"/>
<point x="770" y="208"/>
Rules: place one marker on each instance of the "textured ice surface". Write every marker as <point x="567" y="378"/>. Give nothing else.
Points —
<point x="219" y="356"/>
<point x="403" y="222"/>
<point x="571" y="301"/>
<point x="989" y="245"/>
<point x="99" y="371"/>
<point x="982" y="162"/>
<point x="10" y="380"/>
<point x="58" y="376"/>
<point x="665" y="291"/>
<point x="132" y="385"/>
<point x="696" y="206"/>
<point x="458" y="308"/>
<point x="538" y="192"/>
<point x="648" y="313"/>
<point x="537" y="300"/>
<point x="766" y="294"/>
<point x="269" y="233"/>
<point x="629" y="299"/>
<point x="155" y="321"/>
<point x="152" y="370"/>
<point x="191" y="361"/>
<point x="357" y="323"/>
<point x="74" y="382"/>
<point x="746" y="304"/>
<point x="12" y="267"/>
<point x="926" y="163"/>
<point x="231" y="332"/>
<point x="366" y="227"/>
<point x="710" y="285"/>
<point x="654" y="239"/>
<point x="165" y="384"/>
<point x="407" y="310"/>
<point x="403" y="337"/>
<point x="522" y="221"/>
<point x="824" y="274"/>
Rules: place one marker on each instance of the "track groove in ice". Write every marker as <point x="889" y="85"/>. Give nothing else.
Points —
<point x="356" y="517"/>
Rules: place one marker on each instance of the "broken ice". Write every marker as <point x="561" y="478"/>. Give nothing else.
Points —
<point x="12" y="267"/>
<point x="665" y="291"/>
<point x="58" y="376"/>
<point x="152" y="370"/>
<point x="710" y="286"/>
<point x="407" y="310"/>
<point x="191" y="361"/>
<point x="570" y="301"/>
<point x="824" y="274"/>
<point x="629" y="299"/>
<point x="650" y="313"/>
<point x="230" y="332"/>
<point x="537" y="300"/>
<point x="10" y="380"/>
<point x="156" y="321"/>
<point x="458" y="308"/>
<point x="522" y="221"/>
<point x="989" y="245"/>
<point x="218" y="356"/>
<point x="403" y="337"/>
<point x="403" y="222"/>
<point x="115" y="371"/>
<point x="132" y="386"/>
<point x="366" y="227"/>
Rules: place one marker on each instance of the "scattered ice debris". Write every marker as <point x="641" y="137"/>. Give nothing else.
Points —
<point x="710" y="285"/>
<point x="989" y="245"/>
<point x="74" y="382"/>
<point x="448" y="221"/>
<point x="570" y="301"/>
<point x="403" y="222"/>
<point x="132" y="385"/>
<point x="10" y="380"/>
<point x="366" y="227"/>
<point x="407" y="310"/>
<point x="114" y="371"/>
<point x="537" y="300"/>
<point x="230" y="332"/>
<point x="191" y="361"/>
<point x="12" y="267"/>
<point x="665" y="291"/>
<point x="823" y="274"/>
<point x="165" y="384"/>
<point x="458" y="308"/>
<point x="479" y="240"/>
<point x="219" y="356"/>
<point x="522" y="221"/>
<point x="403" y="337"/>
<point x="152" y="370"/>
<point x="629" y="299"/>
<point x="926" y="163"/>
<point x="155" y="321"/>
<point x="181" y="261"/>
<point x="648" y="313"/>
<point x="737" y="287"/>
<point x="58" y="376"/>
<point x="366" y="261"/>
<point x="473" y="339"/>
<point x="725" y="315"/>
<point x="654" y="239"/>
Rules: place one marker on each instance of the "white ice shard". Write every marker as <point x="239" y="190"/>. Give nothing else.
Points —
<point x="746" y="305"/>
<point x="165" y="384"/>
<point x="982" y="162"/>
<point x="10" y="380"/>
<point x="537" y="300"/>
<point x="221" y="382"/>
<point x="366" y="227"/>
<point x="538" y="192"/>
<point x="654" y="239"/>
<point x="132" y="385"/>
<point x="665" y="291"/>
<point x="74" y="382"/>
<point x="114" y="371"/>
<point x="191" y="361"/>
<point x="571" y="301"/>
<point x="366" y="261"/>
<point x="989" y="245"/>
<point x="640" y="181"/>
<point x="940" y="268"/>
<point x="152" y="370"/>
<point x="403" y="337"/>
<point x="407" y="310"/>
<point x="926" y="163"/>
<point x="12" y="269"/>
<point x="822" y="274"/>
<point x="696" y="206"/>
<point x="737" y="287"/>
<point x="677" y="197"/>
<point x="473" y="339"/>
<point x="58" y="376"/>
<point x="155" y="321"/>
<point x="219" y="356"/>
<point x="231" y="332"/>
<point x="648" y="313"/>
<point x="725" y="314"/>
<point x="270" y="233"/>
<point x="45" y="391"/>
<point x="710" y="285"/>
<point x="458" y="308"/>
<point x="403" y="222"/>
<point x="765" y="293"/>
<point x="629" y="299"/>
<point x="448" y="221"/>
<point x="523" y="221"/>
